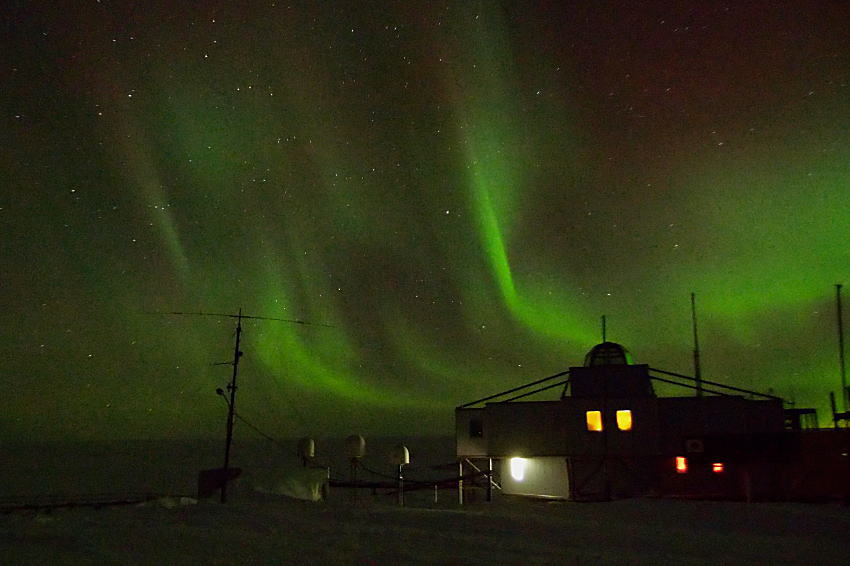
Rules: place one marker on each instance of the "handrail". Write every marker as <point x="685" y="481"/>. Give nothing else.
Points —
<point x="715" y="384"/>
<point x="670" y="381"/>
<point x="558" y="384"/>
<point x="513" y="390"/>
<point x="654" y="377"/>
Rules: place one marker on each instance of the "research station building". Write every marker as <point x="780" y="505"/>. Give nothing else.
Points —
<point x="609" y="435"/>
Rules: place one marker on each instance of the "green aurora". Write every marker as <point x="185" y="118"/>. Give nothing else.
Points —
<point x="458" y="189"/>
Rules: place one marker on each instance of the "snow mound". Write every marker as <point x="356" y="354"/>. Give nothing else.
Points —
<point x="309" y="484"/>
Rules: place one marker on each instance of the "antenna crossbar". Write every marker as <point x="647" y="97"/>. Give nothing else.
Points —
<point x="243" y="316"/>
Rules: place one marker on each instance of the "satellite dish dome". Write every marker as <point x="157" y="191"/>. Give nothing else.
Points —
<point x="355" y="447"/>
<point x="400" y="455"/>
<point x="608" y="354"/>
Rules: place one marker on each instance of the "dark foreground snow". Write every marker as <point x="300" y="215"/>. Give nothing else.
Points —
<point x="257" y="529"/>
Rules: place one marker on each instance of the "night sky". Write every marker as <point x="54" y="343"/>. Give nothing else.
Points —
<point x="459" y="189"/>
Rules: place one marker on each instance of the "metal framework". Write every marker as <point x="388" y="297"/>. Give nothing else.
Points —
<point x="695" y="383"/>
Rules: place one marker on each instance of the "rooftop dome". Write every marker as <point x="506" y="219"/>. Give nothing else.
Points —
<point x="607" y="354"/>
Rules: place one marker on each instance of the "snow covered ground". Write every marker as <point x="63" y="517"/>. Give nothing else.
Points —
<point x="366" y="528"/>
<point x="276" y="530"/>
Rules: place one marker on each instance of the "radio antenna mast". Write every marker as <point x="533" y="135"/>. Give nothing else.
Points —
<point x="844" y="392"/>
<point x="231" y="407"/>
<point x="231" y="387"/>
<point x="697" y="369"/>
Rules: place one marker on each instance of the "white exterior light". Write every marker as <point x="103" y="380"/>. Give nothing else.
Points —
<point x="518" y="468"/>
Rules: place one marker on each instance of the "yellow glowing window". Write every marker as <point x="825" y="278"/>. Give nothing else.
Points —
<point x="681" y="465"/>
<point x="624" y="419"/>
<point x="594" y="420"/>
<point x="717" y="467"/>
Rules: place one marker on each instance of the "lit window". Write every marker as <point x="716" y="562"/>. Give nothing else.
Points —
<point x="594" y="420"/>
<point x="518" y="468"/>
<point x="681" y="465"/>
<point x="717" y="467"/>
<point x="624" y="419"/>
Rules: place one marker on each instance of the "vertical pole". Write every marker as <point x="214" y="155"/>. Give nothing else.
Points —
<point x="400" y="486"/>
<point x="489" y="479"/>
<point x="844" y="392"/>
<point x="352" y="471"/>
<point x="603" y="329"/>
<point x="832" y="404"/>
<point x="231" y="409"/>
<point x="697" y="369"/>
<point x="460" y="482"/>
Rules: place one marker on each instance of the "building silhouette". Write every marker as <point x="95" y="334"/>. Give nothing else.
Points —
<point x="609" y="435"/>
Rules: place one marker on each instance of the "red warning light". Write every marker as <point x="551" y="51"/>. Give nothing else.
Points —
<point x="681" y="465"/>
<point x="717" y="467"/>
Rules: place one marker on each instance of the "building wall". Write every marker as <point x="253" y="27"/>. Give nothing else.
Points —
<point x="683" y="418"/>
<point x="540" y="477"/>
<point x="565" y="459"/>
<point x="525" y="429"/>
<point x="559" y="428"/>
<point x="606" y="477"/>
<point x="469" y="433"/>
<point x="642" y="439"/>
<point x="611" y="381"/>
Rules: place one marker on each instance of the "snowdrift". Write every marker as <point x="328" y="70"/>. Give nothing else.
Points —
<point x="308" y="484"/>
